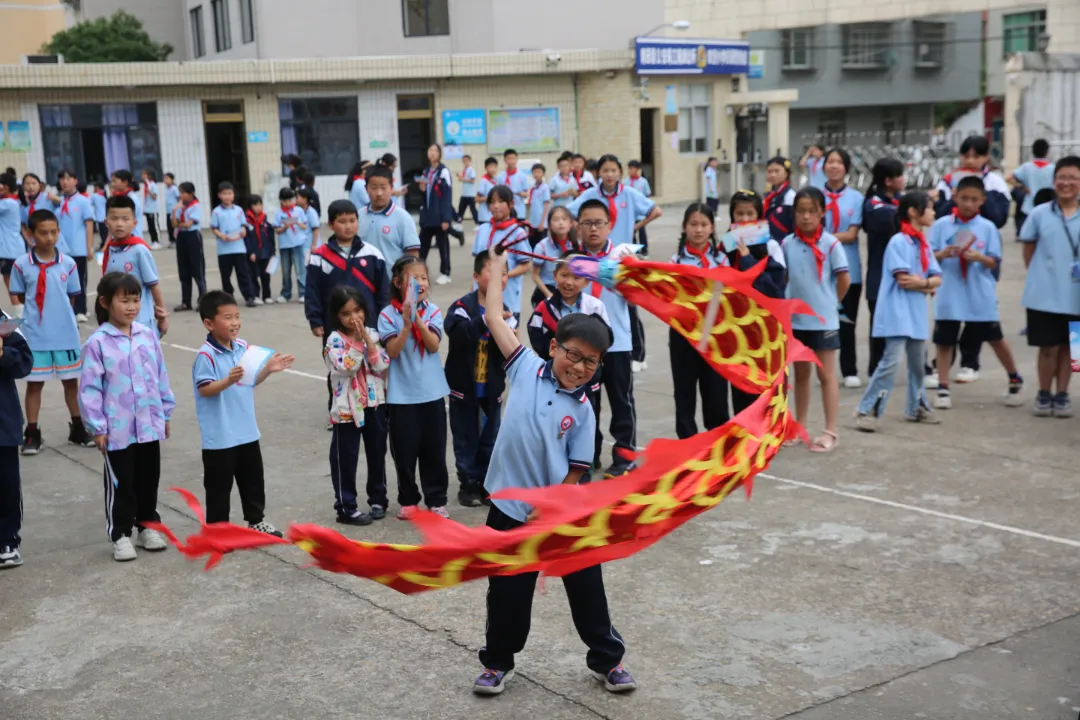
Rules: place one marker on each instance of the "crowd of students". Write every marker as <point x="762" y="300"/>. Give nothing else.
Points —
<point x="365" y="291"/>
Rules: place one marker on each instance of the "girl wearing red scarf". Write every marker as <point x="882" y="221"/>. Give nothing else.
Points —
<point x="909" y="273"/>
<point x="778" y="202"/>
<point x="560" y="238"/>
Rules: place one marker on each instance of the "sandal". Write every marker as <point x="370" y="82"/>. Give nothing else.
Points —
<point x="821" y="445"/>
<point x="793" y="442"/>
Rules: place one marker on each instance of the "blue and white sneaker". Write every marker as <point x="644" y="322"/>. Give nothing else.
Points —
<point x="1044" y="404"/>
<point x="1062" y="408"/>
<point x="9" y="557"/>
<point x="492" y="682"/>
<point x="618" y="679"/>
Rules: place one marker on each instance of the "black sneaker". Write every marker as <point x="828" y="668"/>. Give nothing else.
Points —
<point x="358" y="518"/>
<point x="617" y="468"/>
<point x="250" y="302"/>
<point x="182" y="308"/>
<point x="470" y="497"/>
<point x="77" y="435"/>
<point x="31" y="441"/>
<point x="378" y="512"/>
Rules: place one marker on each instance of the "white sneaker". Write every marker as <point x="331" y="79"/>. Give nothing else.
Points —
<point x="283" y="300"/>
<point x="268" y="301"/>
<point x="10" y="557"/>
<point x="258" y="301"/>
<point x="967" y="375"/>
<point x="151" y="540"/>
<point x="443" y="280"/>
<point x="635" y="366"/>
<point x="852" y="381"/>
<point x="123" y="550"/>
<point x="81" y="318"/>
<point x="441" y="511"/>
<point x="265" y="527"/>
<point x="931" y="382"/>
<point x="943" y="401"/>
<point x="155" y="246"/>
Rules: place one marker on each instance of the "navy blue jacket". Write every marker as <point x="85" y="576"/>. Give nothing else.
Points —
<point x="772" y="282"/>
<point x="15" y="363"/>
<point x="364" y="269"/>
<point x="464" y="325"/>
<point x="259" y="240"/>
<point x="879" y="223"/>
<point x="438" y="207"/>
<point x="995" y="208"/>
<point x="781" y="212"/>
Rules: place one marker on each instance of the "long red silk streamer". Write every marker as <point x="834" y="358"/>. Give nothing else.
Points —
<point x="581" y="525"/>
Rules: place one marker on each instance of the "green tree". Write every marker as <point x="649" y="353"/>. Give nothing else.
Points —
<point x="120" y="38"/>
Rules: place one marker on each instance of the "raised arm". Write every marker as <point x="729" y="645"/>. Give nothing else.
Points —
<point x="501" y="332"/>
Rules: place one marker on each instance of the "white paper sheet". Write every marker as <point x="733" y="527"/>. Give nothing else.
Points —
<point x="252" y="361"/>
<point x="272" y="266"/>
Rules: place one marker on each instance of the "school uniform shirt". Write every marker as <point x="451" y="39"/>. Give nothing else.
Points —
<point x="124" y="387"/>
<point x="416" y="375"/>
<point x="584" y="181"/>
<point x="11" y="239"/>
<point x="560" y="184"/>
<point x="227" y="419"/>
<point x="474" y="361"/>
<point x="626" y="206"/>
<point x="438" y="207"/>
<point x="552" y="248"/>
<point x="617" y="309"/>
<point x="48" y="321"/>
<point x="546" y="431"/>
<point x="483" y="187"/>
<point x="357" y="378"/>
<point x="192" y="211"/>
<point x="357" y="265"/>
<point x="391" y="230"/>
<point x="468" y="182"/>
<point x="295" y="236"/>
<point x="998" y="196"/>
<point x="228" y="221"/>
<point x="1035" y="175"/>
<point x="879" y="223"/>
<point x="968" y="290"/>
<point x="1049" y="286"/>
<point x="149" y="198"/>
<point x="843" y="209"/>
<point x="358" y="193"/>
<point x="813" y="285"/>
<point x="710" y="258"/>
<point x="538" y="196"/>
<point x="74" y="212"/>
<point x="512" y="235"/>
<point x="815" y="168"/>
<point x="136" y="259"/>
<point x="711" y="190"/>
<point x="547" y="314"/>
<point x="172" y="198"/>
<point x="519" y="182"/>
<point x="641" y="184"/>
<point x="98" y="201"/>
<point x="136" y="197"/>
<point x="779" y="211"/>
<point x="259" y="240"/>
<point x="41" y="202"/>
<point x="900" y="312"/>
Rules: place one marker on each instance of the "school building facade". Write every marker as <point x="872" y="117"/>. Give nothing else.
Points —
<point x="214" y="121"/>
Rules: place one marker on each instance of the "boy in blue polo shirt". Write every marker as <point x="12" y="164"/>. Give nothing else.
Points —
<point x="383" y="224"/>
<point x="539" y="205"/>
<point x="291" y="224"/>
<point x="1031" y="177"/>
<point x="305" y="200"/>
<point x="172" y="199"/>
<point x="968" y="248"/>
<point x="76" y="216"/>
<point x="225" y="409"/>
<point x="516" y="180"/>
<point x="563" y="185"/>
<point x="546" y="438"/>
<point x="483" y="187"/>
<point x="640" y="183"/>
<point x="128" y="253"/>
<point x="467" y="176"/>
<point x="227" y="222"/>
<point x="46" y="282"/>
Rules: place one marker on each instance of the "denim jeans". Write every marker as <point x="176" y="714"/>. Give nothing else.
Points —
<point x="292" y="259"/>
<point x="881" y="383"/>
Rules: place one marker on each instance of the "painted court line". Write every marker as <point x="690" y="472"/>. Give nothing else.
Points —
<point x="833" y="491"/>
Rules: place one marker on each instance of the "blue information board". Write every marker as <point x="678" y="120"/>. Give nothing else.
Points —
<point x="464" y="127"/>
<point x="667" y="56"/>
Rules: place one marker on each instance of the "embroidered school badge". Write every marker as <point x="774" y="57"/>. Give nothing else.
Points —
<point x="566" y="423"/>
<point x="363" y="262"/>
<point x="63" y="277"/>
<point x="128" y="267"/>
<point x="386" y="230"/>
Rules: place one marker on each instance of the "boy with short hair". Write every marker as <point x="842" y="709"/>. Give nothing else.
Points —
<point x="1031" y="177"/>
<point x="467" y="176"/>
<point x="476" y="379"/>
<point x="305" y="200"/>
<point x="290" y="223"/>
<point x="383" y="224"/>
<point x="583" y="177"/>
<point x="259" y="241"/>
<point x="190" y="261"/>
<point x="227" y="222"/>
<point x="516" y="181"/>
<point x="539" y="201"/>
<point x="129" y="253"/>
<point x="483" y="187"/>
<point x="568" y="298"/>
<point x="172" y="199"/>
<point x="563" y="186"/>
<point x="640" y="183"/>
<point x="968" y="248"/>
<point x="76" y="216"/>
<point x="546" y="438"/>
<point x="313" y="194"/>
<point x="16" y="361"/>
<point x="46" y="283"/>
<point x="225" y="409"/>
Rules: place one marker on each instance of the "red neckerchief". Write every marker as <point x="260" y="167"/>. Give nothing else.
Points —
<point x="769" y="197"/>
<point x="533" y="189"/>
<point x="113" y="242"/>
<point x="487" y="176"/>
<point x="257" y="222"/>
<point x="563" y="244"/>
<point x="357" y="177"/>
<point x="924" y="248"/>
<point x="895" y="202"/>
<point x="397" y="305"/>
<point x="39" y="291"/>
<point x="834" y="205"/>
<point x="64" y="206"/>
<point x="498" y="227"/>
<point x="31" y="204"/>
<point x="183" y="211"/>
<point x="510" y="174"/>
<point x="1040" y="163"/>
<point x="613" y="208"/>
<point x="812" y="242"/>
<point x="595" y="288"/>
<point x="702" y="255"/>
<point x="120" y="193"/>
<point x="961" y="219"/>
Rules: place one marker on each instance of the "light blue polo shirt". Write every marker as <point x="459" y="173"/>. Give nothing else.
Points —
<point x="538" y="195"/>
<point x="391" y="230"/>
<point x="850" y="202"/>
<point x="1050" y="286"/>
<point x="972" y="298"/>
<point x="816" y="289"/>
<point x="516" y="237"/>
<point x="641" y="184"/>
<point x="74" y="212"/>
<point x="137" y="260"/>
<point x="41" y="203"/>
<point x="548" y="248"/>
<point x="11" y="239"/>
<point x="815" y="168"/>
<point x="136" y="197"/>
<point x="900" y="312"/>
<point x="545" y="432"/>
<point x="228" y="221"/>
<point x="98" y="201"/>
<point x="519" y="182"/>
<point x="172" y="198"/>
<point x="711" y="190"/>
<point x="227" y="419"/>
<point x="414" y="378"/>
<point x="468" y="183"/>
<point x="312" y="226"/>
<point x="358" y="194"/>
<point x="629" y="207"/>
<point x="1035" y="175"/>
<point x="483" y="187"/>
<point x="617" y="309"/>
<point x="560" y="184"/>
<point x="193" y="212"/>
<point x="52" y="328"/>
<point x="716" y="258"/>
<point x="295" y="236"/>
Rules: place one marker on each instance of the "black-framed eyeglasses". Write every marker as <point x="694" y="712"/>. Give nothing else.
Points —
<point x="575" y="356"/>
<point x="591" y="224"/>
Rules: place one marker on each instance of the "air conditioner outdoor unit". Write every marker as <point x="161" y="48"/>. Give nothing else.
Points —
<point x="42" y="59"/>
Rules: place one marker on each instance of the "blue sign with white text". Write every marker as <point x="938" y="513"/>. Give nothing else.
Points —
<point x="668" y="56"/>
<point x="464" y="127"/>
